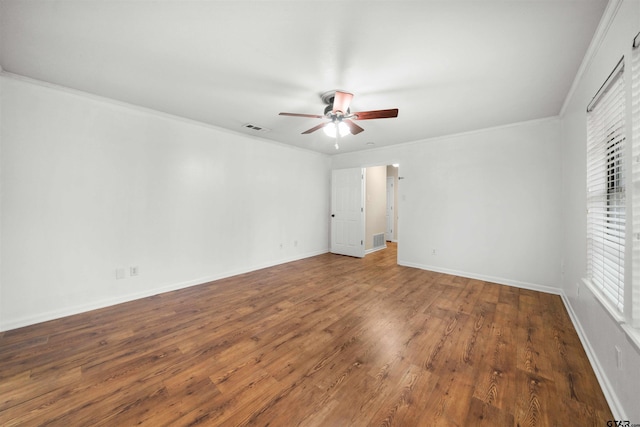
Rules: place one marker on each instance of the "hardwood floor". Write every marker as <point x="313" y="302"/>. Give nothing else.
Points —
<point x="326" y="341"/>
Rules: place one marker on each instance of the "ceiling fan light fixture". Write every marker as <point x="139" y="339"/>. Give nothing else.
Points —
<point x="341" y="118"/>
<point x="331" y="128"/>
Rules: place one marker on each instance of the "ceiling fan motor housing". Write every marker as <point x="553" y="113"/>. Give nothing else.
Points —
<point x="328" y="97"/>
<point x="328" y="111"/>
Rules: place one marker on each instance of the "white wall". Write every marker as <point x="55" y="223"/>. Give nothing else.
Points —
<point x="488" y="202"/>
<point x="90" y="185"/>
<point x="1" y="198"/>
<point x="600" y="333"/>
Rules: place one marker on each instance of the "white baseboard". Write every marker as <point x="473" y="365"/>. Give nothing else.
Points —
<point x="94" y="305"/>
<point x="603" y="380"/>
<point x="492" y="279"/>
<point x="372" y="250"/>
<point x="608" y="390"/>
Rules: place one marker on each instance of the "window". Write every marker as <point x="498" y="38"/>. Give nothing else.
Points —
<point x="635" y="170"/>
<point x="606" y="189"/>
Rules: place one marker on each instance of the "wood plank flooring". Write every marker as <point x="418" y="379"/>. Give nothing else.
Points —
<point x="326" y="341"/>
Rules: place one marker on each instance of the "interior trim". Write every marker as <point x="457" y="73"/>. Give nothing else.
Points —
<point x="605" y="384"/>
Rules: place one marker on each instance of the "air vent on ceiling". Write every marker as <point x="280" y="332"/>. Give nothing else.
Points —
<point x="255" y="128"/>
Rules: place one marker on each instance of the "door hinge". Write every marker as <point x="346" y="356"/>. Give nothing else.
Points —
<point x="361" y="243"/>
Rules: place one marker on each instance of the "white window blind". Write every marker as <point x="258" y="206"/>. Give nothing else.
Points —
<point x="635" y="147"/>
<point x="606" y="189"/>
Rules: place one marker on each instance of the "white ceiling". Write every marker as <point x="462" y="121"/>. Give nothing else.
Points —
<point x="449" y="66"/>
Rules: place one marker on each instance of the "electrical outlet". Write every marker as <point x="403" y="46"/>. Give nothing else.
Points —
<point x="295" y="243"/>
<point x="134" y="271"/>
<point x="119" y="273"/>
<point x="618" y="357"/>
<point x="433" y="252"/>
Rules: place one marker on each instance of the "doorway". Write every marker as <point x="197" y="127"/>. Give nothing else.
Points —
<point x="390" y="211"/>
<point x="392" y="203"/>
<point x="364" y="213"/>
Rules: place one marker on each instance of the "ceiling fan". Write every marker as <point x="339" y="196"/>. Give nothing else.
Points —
<point x="342" y="119"/>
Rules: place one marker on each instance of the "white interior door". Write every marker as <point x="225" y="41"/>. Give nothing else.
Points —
<point x="347" y="212"/>
<point x="390" y="214"/>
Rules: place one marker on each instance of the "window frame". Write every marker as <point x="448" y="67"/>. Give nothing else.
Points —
<point x="607" y="208"/>
<point x="629" y="316"/>
<point x="633" y="290"/>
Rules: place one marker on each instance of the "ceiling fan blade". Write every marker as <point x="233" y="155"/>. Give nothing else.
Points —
<point x="354" y="128"/>
<point x="312" y="116"/>
<point x="376" y="114"/>
<point x="315" y="128"/>
<point x="341" y="101"/>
